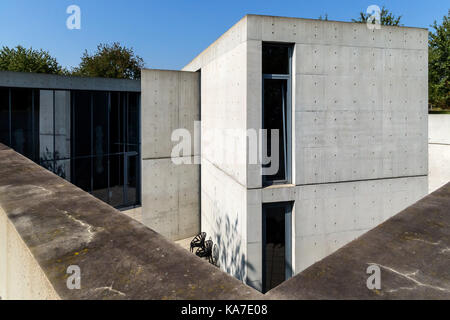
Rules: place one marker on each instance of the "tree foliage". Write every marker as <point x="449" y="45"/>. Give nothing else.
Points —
<point x="439" y="64"/>
<point x="20" y="59"/>
<point x="110" y="61"/>
<point x="324" y="18"/>
<point x="387" y="18"/>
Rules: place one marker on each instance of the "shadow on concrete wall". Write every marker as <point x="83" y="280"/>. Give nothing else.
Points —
<point x="228" y="252"/>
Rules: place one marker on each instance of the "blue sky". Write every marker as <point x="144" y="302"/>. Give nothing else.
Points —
<point x="169" y="33"/>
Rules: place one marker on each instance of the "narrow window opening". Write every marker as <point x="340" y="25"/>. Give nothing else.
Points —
<point x="277" y="112"/>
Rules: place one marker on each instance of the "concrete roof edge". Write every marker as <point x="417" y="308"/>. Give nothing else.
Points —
<point x="63" y="82"/>
<point x="325" y="21"/>
<point x="217" y="40"/>
<point x="166" y="70"/>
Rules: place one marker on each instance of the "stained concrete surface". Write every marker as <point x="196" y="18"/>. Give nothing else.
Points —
<point x="119" y="257"/>
<point x="412" y="250"/>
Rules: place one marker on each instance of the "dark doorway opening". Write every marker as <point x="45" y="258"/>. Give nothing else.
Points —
<point x="277" y="266"/>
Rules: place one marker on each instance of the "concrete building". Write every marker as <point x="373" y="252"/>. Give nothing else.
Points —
<point x="345" y="112"/>
<point x="355" y="138"/>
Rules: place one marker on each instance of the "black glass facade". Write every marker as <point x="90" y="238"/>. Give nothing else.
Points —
<point x="90" y="138"/>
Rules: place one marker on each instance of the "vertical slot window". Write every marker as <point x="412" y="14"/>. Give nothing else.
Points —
<point x="277" y="113"/>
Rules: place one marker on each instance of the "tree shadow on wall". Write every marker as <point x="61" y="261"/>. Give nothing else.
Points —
<point x="227" y="251"/>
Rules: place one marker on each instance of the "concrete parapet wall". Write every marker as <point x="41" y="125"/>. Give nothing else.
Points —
<point x="48" y="224"/>
<point x="21" y="277"/>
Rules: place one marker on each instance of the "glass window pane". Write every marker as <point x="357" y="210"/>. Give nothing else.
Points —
<point x="62" y="169"/>
<point x="46" y="135"/>
<point x="275" y="59"/>
<point x="133" y="122"/>
<point x="116" y="180"/>
<point x="132" y="180"/>
<point x="81" y="173"/>
<point x="4" y="116"/>
<point x="116" y="123"/>
<point x="21" y="122"/>
<point x="82" y="124"/>
<point x="49" y="165"/>
<point x="62" y="124"/>
<point x="100" y="127"/>
<point x="275" y="118"/>
<point x="100" y="178"/>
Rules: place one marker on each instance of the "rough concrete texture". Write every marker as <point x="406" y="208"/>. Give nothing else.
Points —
<point x="359" y="119"/>
<point x="21" y="277"/>
<point x="412" y="250"/>
<point x="170" y="193"/>
<point x="439" y="150"/>
<point x="119" y="258"/>
<point x="135" y="213"/>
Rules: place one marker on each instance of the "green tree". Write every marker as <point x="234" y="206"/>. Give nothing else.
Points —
<point x="110" y="61"/>
<point x="20" y="59"/>
<point x="387" y="18"/>
<point x="439" y="64"/>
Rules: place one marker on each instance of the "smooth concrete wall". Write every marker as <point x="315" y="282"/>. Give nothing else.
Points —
<point x="223" y="147"/>
<point x="359" y="98"/>
<point x="21" y="277"/>
<point x="359" y="119"/>
<point x="439" y="150"/>
<point x="170" y="192"/>
<point x="224" y="212"/>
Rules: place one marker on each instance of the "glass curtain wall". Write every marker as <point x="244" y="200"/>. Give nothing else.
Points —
<point x="90" y="138"/>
